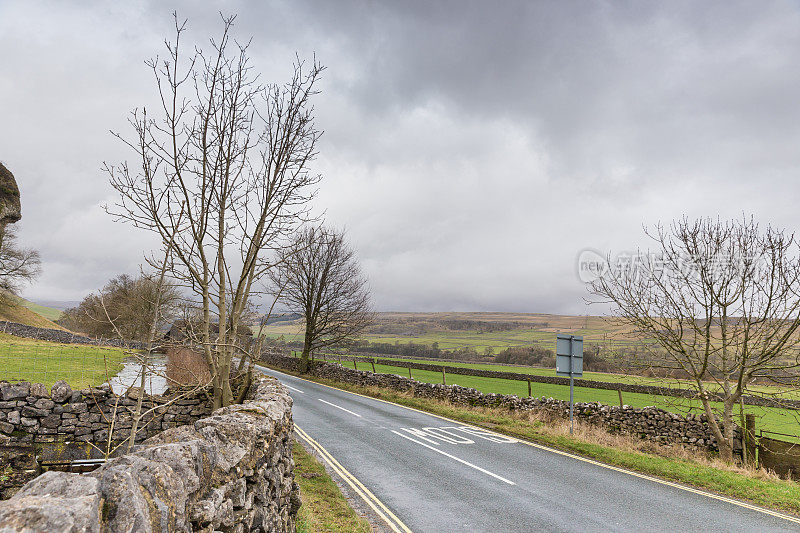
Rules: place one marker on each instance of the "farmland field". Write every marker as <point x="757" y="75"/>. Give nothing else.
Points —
<point x="46" y="362"/>
<point x="496" y="331"/>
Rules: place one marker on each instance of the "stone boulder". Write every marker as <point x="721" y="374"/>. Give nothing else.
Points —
<point x="14" y="391"/>
<point x="54" y="501"/>
<point x="61" y="391"/>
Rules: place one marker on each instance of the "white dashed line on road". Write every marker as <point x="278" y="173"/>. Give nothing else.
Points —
<point x="342" y="408"/>
<point x="290" y="387"/>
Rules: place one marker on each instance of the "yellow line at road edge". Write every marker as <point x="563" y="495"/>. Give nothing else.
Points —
<point x="584" y="459"/>
<point x="395" y="523"/>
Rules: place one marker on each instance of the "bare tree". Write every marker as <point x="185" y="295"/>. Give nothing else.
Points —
<point x="125" y="308"/>
<point x="721" y="299"/>
<point x="319" y="277"/>
<point x="224" y="169"/>
<point x="17" y="265"/>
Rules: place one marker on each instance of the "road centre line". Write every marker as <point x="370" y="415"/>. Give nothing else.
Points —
<point x="462" y="461"/>
<point x="380" y="509"/>
<point x="342" y="408"/>
<point x="290" y="387"/>
<point x="567" y="454"/>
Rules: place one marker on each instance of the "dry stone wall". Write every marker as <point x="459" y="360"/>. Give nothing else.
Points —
<point x="649" y="423"/>
<point x="230" y="471"/>
<point x="59" y="335"/>
<point x="64" y="424"/>
<point x="29" y="413"/>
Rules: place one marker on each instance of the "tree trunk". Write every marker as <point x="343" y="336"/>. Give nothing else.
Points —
<point x="727" y="427"/>
<point x="305" y="355"/>
<point x="725" y="446"/>
<point x="225" y="381"/>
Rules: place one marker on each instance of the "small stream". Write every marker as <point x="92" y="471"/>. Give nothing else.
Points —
<point x="130" y="375"/>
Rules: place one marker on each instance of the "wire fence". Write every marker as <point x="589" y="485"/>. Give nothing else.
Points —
<point x="79" y="365"/>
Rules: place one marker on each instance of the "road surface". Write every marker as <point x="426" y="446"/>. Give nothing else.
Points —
<point x="422" y="473"/>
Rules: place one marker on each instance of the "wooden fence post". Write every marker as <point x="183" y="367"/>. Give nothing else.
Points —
<point x="355" y="365"/>
<point x="529" y="388"/>
<point x="409" y="373"/>
<point x="750" y="437"/>
<point x="373" y="366"/>
<point x="620" y="397"/>
<point x="444" y="382"/>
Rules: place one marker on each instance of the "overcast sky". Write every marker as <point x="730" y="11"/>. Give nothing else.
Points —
<point x="472" y="149"/>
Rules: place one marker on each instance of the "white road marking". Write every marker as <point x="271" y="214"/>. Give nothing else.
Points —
<point x="462" y="461"/>
<point x="448" y="436"/>
<point x="290" y="387"/>
<point x="420" y="434"/>
<point x="342" y="408"/>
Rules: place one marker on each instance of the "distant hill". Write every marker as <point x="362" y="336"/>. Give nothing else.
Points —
<point x="48" y="312"/>
<point x="15" y="309"/>
<point x="60" y="305"/>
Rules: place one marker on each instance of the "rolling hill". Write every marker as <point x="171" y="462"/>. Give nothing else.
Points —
<point x="15" y="309"/>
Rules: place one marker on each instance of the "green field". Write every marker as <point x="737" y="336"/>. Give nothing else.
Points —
<point x="46" y="362"/>
<point x="792" y="393"/>
<point x="769" y="419"/>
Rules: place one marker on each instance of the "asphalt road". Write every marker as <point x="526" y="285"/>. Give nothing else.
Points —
<point x="434" y="475"/>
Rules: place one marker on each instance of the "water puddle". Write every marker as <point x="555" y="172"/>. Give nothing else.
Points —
<point x="130" y="375"/>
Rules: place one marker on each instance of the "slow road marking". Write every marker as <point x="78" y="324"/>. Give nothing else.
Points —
<point x="342" y="408"/>
<point x="462" y="461"/>
<point x="451" y="435"/>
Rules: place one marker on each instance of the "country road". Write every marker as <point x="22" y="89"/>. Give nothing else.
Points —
<point x="427" y="474"/>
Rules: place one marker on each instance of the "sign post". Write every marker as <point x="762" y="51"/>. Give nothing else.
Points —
<point x="569" y="362"/>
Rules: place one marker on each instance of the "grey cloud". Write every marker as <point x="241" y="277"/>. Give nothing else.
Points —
<point x="472" y="149"/>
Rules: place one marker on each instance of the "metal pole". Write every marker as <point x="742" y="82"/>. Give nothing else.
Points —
<point x="571" y="396"/>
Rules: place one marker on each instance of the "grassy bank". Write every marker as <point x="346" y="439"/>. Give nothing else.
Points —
<point x="324" y="508"/>
<point x="47" y="362"/>
<point x="669" y="463"/>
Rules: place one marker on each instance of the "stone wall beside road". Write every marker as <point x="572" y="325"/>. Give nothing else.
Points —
<point x="230" y="471"/>
<point x="63" y="424"/>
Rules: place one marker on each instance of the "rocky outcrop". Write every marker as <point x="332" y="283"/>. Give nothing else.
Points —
<point x="231" y="471"/>
<point x="56" y="502"/>
<point x="10" y="210"/>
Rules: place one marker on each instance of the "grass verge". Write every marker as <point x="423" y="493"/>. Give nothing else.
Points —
<point x="665" y="462"/>
<point x="324" y="507"/>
